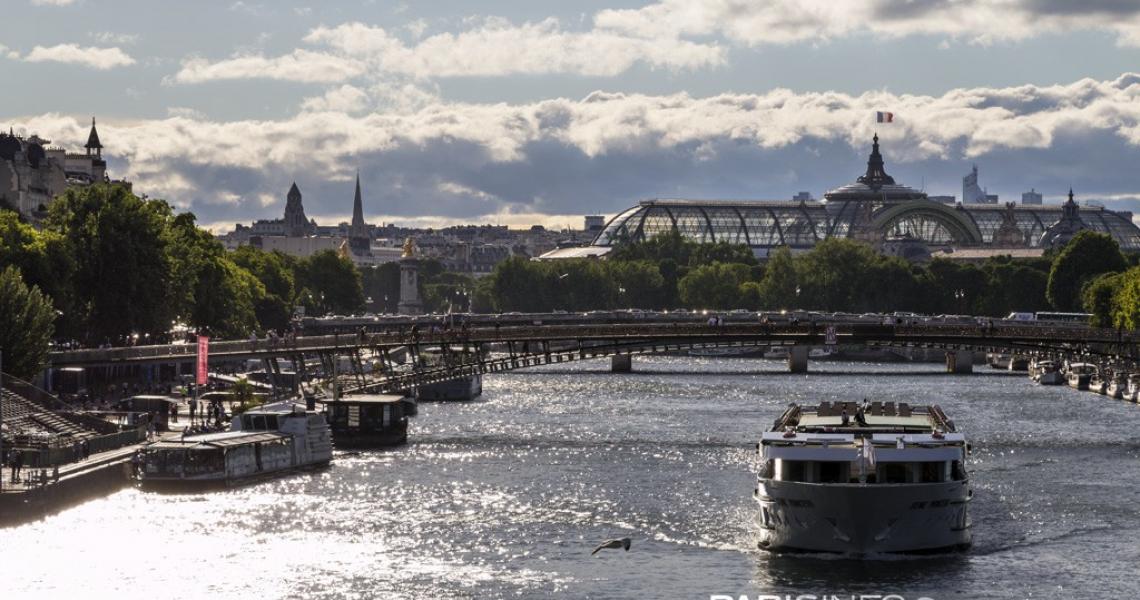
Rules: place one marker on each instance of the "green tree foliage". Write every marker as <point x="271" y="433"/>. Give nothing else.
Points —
<point x="715" y="285"/>
<point x="639" y="284"/>
<point x="44" y="261"/>
<point x="1126" y="301"/>
<point x="888" y="284"/>
<point x="1012" y="287"/>
<point x="123" y="275"/>
<point x="226" y="297"/>
<point x="26" y="317"/>
<point x="954" y="288"/>
<point x="517" y="284"/>
<point x="1087" y="255"/>
<point x="1099" y="297"/>
<point x="331" y="284"/>
<point x="830" y="276"/>
<point x="274" y="271"/>
<point x="777" y="290"/>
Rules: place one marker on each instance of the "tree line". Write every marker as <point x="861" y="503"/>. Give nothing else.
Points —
<point x="670" y="271"/>
<point x="110" y="267"/>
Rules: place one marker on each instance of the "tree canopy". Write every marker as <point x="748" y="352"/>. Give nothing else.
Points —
<point x="1087" y="255"/>
<point x="26" y="317"/>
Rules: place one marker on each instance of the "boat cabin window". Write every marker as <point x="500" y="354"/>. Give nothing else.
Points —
<point x="914" y="472"/>
<point x="259" y="422"/>
<point x="812" y="471"/>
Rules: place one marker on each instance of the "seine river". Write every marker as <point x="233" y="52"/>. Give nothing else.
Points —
<point x="505" y="498"/>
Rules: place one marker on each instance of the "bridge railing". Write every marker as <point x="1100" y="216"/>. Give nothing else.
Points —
<point x="571" y="332"/>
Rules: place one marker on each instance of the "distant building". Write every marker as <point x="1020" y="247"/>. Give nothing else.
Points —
<point x="297" y="235"/>
<point x="893" y="217"/>
<point x="1058" y="234"/>
<point x="944" y="199"/>
<point x="972" y="193"/>
<point x="802" y="197"/>
<point x="595" y="223"/>
<point x="33" y="172"/>
<point x="1030" y="197"/>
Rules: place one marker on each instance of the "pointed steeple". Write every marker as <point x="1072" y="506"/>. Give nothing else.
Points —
<point x="357" y="206"/>
<point x="358" y="231"/>
<point x="93" y="140"/>
<point x="876" y="175"/>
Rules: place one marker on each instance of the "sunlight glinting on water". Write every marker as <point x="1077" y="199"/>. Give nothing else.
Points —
<point x="507" y="496"/>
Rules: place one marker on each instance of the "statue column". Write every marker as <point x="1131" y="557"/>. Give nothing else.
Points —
<point x="410" y="303"/>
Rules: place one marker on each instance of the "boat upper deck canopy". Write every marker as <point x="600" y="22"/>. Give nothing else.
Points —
<point x="226" y="439"/>
<point x="364" y="399"/>
<point x="874" y="417"/>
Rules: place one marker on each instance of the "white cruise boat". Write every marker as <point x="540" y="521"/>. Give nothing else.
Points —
<point x="268" y="440"/>
<point x="890" y="480"/>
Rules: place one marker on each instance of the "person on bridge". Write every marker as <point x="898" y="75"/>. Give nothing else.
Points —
<point x="844" y="420"/>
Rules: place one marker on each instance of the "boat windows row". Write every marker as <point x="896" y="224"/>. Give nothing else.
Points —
<point x="811" y="471"/>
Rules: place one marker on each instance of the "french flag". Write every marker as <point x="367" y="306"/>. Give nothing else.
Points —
<point x="885" y="117"/>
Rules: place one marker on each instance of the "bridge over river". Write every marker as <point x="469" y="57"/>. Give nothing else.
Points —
<point x="438" y="355"/>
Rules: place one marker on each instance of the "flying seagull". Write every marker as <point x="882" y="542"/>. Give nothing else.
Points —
<point x="622" y="543"/>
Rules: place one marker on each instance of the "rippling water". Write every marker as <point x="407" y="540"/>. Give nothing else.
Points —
<point x="507" y="496"/>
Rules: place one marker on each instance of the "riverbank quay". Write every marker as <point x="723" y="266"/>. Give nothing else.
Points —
<point x="39" y="492"/>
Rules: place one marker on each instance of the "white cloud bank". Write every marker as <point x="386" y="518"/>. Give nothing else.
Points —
<point x="753" y="22"/>
<point x="88" y="56"/>
<point x="677" y="35"/>
<point x="603" y="152"/>
<point x="494" y="48"/>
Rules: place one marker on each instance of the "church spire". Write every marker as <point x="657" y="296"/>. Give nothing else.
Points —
<point x="357" y="206"/>
<point x="358" y="237"/>
<point x="93" y="140"/>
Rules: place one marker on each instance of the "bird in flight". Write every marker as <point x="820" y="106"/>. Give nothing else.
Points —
<point x="622" y="543"/>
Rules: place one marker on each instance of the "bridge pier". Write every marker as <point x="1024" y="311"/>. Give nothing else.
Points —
<point x="959" y="361"/>
<point x="621" y="363"/>
<point x="798" y="359"/>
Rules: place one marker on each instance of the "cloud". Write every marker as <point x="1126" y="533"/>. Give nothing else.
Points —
<point x="795" y="21"/>
<point x="96" y="58"/>
<point x="345" y="99"/>
<point x="53" y="2"/>
<point x="600" y="154"/>
<point x="301" y="65"/>
<point x="185" y="112"/>
<point x="493" y="47"/>
<point x="110" y="37"/>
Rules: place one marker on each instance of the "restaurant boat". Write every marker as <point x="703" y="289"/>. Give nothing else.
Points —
<point x="368" y="420"/>
<point x="858" y="480"/>
<point x="266" y="441"/>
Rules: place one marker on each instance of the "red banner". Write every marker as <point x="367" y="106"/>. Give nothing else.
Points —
<point x="203" y="359"/>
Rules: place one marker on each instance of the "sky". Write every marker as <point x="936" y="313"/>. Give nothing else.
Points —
<point x="538" y="112"/>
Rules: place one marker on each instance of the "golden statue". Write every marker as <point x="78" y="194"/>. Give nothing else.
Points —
<point x="409" y="248"/>
<point x="342" y="251"/>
